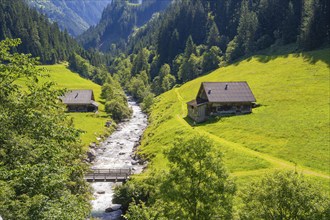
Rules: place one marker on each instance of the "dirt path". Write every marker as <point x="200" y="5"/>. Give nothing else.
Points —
<point x="277" y="163"/>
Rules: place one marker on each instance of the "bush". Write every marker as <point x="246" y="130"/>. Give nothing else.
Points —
<point x="117" y="110"/>
<point x="147" y="102"/>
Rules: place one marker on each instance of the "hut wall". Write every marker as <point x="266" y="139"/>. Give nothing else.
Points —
<point x="81" y="108"/>
<point x="197" y="113"/>
<point x="230" y="108"/>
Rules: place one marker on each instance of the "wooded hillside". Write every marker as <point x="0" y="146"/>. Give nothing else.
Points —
<point x="74" y="16"/>
<point x="236" y="28"/>
<point x="39" y="37"/>
<point x="119" y="20"/>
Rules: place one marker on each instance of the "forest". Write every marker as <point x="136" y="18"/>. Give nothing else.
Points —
<point x="39" y="37"/>
<point x="194" y="37"/>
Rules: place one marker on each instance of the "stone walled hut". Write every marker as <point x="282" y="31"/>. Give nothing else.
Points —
<point x="80" y="101"/>
<point x="221" y="98"/>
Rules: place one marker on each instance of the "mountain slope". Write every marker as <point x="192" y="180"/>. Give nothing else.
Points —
<point x="74" y="16"/>
<point x="288" y="131"/>
<point x="203" y="34"/>
<point x="118" y="21"/>
<point x="39" y="37"/>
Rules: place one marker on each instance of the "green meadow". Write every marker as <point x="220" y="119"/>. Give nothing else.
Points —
<point x="290" y="129"/>
<point x="93" y="125"/>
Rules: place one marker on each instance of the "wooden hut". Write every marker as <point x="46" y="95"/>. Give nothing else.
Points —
<point x="221" y="98"/>
<point x="80" y="101"/>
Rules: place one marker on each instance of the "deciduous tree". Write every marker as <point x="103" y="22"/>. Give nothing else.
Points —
<point x="284" y="195"/>
<point x="197" y="183"/>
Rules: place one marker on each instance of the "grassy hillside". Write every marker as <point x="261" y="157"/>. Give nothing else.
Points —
<point x="289" y="131"/>
<point x="91" y="123"/>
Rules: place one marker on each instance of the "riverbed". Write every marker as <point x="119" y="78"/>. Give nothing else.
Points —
<point x="116" y="152"/>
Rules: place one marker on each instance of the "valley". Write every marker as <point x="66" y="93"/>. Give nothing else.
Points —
<point x="218" y="109"/>
<point x="73" y="16"/>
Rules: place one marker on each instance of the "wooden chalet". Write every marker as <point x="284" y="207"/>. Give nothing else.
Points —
<point x="219" y="99"/>
<point x="80" y="101"/>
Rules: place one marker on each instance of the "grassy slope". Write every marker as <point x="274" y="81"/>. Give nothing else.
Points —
<point x="289" y="131"/>
<point x="92" y="124"/>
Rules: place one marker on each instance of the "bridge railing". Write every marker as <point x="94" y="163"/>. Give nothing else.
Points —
<point x="108" y="174"/>
<point x="111" y="171"/>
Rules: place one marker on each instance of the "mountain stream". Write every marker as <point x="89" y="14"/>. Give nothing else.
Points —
<point x="117" y="152"/>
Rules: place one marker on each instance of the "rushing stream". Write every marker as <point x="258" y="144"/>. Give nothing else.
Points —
<point x="116" y="152"/>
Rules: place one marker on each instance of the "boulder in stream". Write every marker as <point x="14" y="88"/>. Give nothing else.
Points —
<point x="134" y="162"/>
<point x="113" y="208"/>
<point x="91" y="154"/>
<point x="142" y="162"/>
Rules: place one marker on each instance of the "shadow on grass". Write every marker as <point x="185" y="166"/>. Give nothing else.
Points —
<point x="104" y="116"/>
<point x="216" y="119"/>
<point x="211" y="120"/>
<point x="311" y="57"/>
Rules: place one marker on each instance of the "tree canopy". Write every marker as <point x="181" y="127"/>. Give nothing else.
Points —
<point x="284" y="195"/>
<point x="196" y="186"/>
<point x="41" y="168"/>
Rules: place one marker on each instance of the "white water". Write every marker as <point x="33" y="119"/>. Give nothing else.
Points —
<point x="115" y="152"/>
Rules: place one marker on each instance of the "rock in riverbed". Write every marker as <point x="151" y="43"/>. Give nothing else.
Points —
<point x="91" y="154"/>
<point x="134" y="162"/>
<point x="113" y="208"/>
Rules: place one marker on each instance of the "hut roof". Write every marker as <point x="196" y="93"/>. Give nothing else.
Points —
<point x="79" y="97"/>
<point x="195" y="103"/>
<point x="228" y="92"/>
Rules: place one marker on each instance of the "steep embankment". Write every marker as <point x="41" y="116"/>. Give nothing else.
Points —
<point x="92" y="124"/>
<point x="290" y="130"/>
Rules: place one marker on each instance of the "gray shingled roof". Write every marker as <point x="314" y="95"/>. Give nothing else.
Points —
<point x="228" y="92"/>
<point x="79" y="97"/>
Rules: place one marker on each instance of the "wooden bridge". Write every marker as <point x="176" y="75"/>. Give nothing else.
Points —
<point x="108" y="175"/>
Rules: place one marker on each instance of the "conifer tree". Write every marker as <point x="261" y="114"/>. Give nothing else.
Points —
<point x="140" y="62"/>
<point x="246" y="30"/>
<point x="211" y="59"/>
<point x="314" y="26"/>
<point x="190" y="47"/>
<point x="213" y="38"/>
